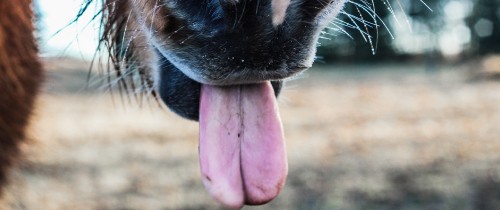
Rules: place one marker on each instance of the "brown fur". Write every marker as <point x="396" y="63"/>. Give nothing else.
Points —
<point x="21" y="75"/>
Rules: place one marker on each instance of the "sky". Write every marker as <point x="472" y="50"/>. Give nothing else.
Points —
<point x="77" y="40"/>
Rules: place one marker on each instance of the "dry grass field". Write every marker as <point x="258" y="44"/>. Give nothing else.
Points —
<point x="359" y="137"/>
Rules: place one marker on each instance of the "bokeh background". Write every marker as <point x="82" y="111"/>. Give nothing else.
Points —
<point x="400" y="111"/>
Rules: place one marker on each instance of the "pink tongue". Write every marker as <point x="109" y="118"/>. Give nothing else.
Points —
<point x="242" y="149"/>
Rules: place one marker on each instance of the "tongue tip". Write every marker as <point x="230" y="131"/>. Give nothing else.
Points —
<point x="259" y="196"/>
<point x="260" y="201"/>
<point x="228" y="198"/>
<point x="257" y="202"/>
<point x="232" y="205"/>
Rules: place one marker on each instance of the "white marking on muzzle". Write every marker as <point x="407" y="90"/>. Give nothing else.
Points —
<point x="279" y="11"/>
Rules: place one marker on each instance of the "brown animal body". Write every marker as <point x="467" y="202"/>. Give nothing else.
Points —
<point x="21" y="75"/>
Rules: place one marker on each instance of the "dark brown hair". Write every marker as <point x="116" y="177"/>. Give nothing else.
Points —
<point x="21" y="76"/>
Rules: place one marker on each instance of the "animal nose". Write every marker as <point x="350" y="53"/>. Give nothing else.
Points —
<point x="279" y="8"/>
<point x="273" y="12"/>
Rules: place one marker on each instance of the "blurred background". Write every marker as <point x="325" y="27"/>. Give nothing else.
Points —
<point x="400" y="111"/>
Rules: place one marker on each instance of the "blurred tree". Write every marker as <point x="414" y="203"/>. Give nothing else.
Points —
<point x="471" y="30"/>
<point x="38" y="16"/>
<point x="365" y="29"/>
<point x="485" y="26"/>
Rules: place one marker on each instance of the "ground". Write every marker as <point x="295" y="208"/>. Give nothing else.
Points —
<point x="358" y="137"/>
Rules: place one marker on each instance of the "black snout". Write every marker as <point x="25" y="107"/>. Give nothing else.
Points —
<point x="182" y="94"/>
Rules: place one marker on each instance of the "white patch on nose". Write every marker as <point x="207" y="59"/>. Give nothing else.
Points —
<point x="279" y="11"/>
